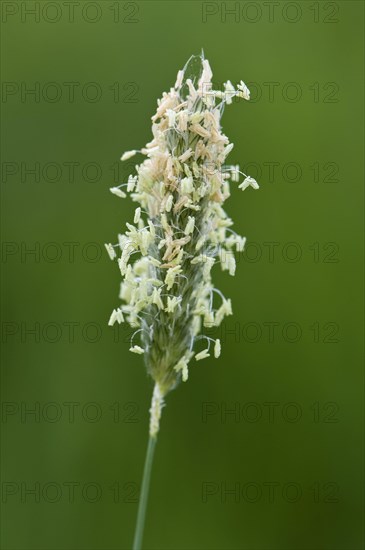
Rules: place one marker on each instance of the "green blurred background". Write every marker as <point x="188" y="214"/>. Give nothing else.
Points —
<point x="284" y="470"/>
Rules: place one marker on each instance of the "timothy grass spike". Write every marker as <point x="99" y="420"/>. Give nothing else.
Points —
<point x="180" y="231"/>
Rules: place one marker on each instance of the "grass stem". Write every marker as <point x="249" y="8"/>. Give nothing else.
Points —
<point x="142" y="506"/>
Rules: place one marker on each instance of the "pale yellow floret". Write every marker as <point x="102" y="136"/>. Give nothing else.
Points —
<point x="137" y="215"/>
<point x="189" y="228"/>
<point x="182" y="366"/>
<point x="137" y="349"/>
<point x="202" y="355"/>
<point x="172" y="304"/>
<point x="110" y="250"/>
<point x="217" y="348"/>
<point x="118" y="192"/>
<point x="128" y="154"/>
<point x="171" y="275"/>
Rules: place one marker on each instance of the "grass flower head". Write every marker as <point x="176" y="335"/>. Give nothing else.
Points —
<point x="180" y="230"/>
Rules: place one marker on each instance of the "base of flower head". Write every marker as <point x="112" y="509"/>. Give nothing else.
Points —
<point x="155" y="410"/>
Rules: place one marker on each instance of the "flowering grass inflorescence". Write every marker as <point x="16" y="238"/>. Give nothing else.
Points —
<point x="180" y="230"/>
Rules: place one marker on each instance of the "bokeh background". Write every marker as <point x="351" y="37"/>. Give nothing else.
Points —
<point x="262" y="449"/>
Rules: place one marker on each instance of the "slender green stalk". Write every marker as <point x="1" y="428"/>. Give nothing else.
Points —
<point x="142" y="506"/>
